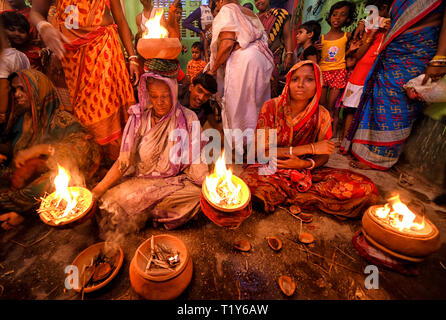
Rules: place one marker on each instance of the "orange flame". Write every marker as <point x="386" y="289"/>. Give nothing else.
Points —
<point x="63" y="193"/>
<point x="398" y="215"/>
<point x="154" y="29"/>
<point x="222" y="190"/>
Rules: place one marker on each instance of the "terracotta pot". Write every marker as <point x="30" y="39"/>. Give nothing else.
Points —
<point x="164" y="48"/>
<point x="86" y="215"/>
<point x="405" y="245"/>
<point x="245" y="196"/>
<point x="161" y="284"/>
<point x="84" y="258"/>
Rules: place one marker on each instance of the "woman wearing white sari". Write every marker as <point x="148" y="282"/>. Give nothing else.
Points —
<point x="243" y="64"/>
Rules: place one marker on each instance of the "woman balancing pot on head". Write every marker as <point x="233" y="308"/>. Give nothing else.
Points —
<point x="303" y="148"/>
<point x="86" y="39"/>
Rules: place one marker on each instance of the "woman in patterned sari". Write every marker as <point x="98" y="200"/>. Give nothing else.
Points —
<point x="385" y="114"/>
<point x="42" y="136"/>
<point x="93" y="62"/>
<point x="278" y="28"/>
<point x="303" y="147"/>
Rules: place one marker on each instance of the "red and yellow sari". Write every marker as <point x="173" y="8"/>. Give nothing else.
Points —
<point x="335" y="191"/>
<point x="95" y="70"/>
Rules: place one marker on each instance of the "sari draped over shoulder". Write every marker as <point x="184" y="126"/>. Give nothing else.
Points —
<point x="335" y="191"/>
<point x="46" y="123"/>
<point x="94" y="67"/>
<point x="155" y="185"/>
<point x="274" y="20"/>
<point x="385" y="114"/>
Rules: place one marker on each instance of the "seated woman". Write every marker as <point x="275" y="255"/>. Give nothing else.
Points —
<point x="303" y="147"/>
<point x="42" y="136"/>
<point x="144" y="182"/>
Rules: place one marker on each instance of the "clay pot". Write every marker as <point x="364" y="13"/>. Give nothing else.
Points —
<point x="244" y="191"/>
<point x="401" y="244"/>
<point x="161" y="284"/>
<point x="80" y="219"/>
<point x="164" y="48"/>
<point x="84" y="259"/>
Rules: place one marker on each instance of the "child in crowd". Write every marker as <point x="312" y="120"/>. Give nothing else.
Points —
<point x="11" y="60"/>
<point x="196" y="65"/>
<point x="174" y="20"/>
<point x="365" y="53"/>
<point x="17" y="29"/>
<point x="307" y="34"/>
<point x="334" y="44"/>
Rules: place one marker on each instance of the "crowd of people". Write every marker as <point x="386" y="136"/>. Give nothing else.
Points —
<point x="72" y="82"/>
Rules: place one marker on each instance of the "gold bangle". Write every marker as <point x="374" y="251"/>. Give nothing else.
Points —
<point x="439" y="58"/>
<point x="134" y="62"/>
<point x="291" y="150"/>
<point x="312" y="148"/>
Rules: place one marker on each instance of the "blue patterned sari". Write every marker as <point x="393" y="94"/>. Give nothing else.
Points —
<point x="385" y="115"/>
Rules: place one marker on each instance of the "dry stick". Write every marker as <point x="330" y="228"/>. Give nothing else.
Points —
<point x="237" y="283"/>
<point x="442" y="265"/>
<point x="290" y="213"/>
<point x="332" y="261"/>
<point x="20" y="244"/>
<point x="38" y="240"/>
<point x="353" y="259"/>
<point x="318" y="255"/>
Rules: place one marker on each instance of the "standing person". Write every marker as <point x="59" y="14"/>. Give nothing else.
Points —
<point x="203" y="15"/>
<point x="365" y="56"/>
<point x="307" y="34"/>
<point x="278" y="29"/>
<point x="93" y="63"/>
<point x="415" y="44"/>
<point x="332" y="62"/>
<point x="196" y="65"/>
<point x="174" y="21"/>
<point x="240" y="55"/>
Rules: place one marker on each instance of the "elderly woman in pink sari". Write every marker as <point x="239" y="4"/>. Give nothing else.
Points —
<point x="147" y="181"/>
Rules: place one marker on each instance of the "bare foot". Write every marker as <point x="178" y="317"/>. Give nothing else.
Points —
<point x="359" y="165"/>
<point x="10" y="220"/>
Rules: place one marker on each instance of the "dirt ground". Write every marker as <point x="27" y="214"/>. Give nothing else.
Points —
<point x="36" y="271"/>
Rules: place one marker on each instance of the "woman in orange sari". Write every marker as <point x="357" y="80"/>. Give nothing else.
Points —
<point x="93" y="62"/>
<point x="303" y="147"/>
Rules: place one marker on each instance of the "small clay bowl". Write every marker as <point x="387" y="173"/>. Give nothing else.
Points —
<point x="306" y="238"/>
<point x="287" y="285"/>
<point x="84" y="259"/>
<point x="242" y="245"/>
<point x="274" y="243"/>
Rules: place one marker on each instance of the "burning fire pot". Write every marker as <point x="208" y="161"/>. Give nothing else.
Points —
<point x="67" y="205"/>
<point x="155" y="43"/>
<point x="395" y="229"/>
<point x="225" y="198"/>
